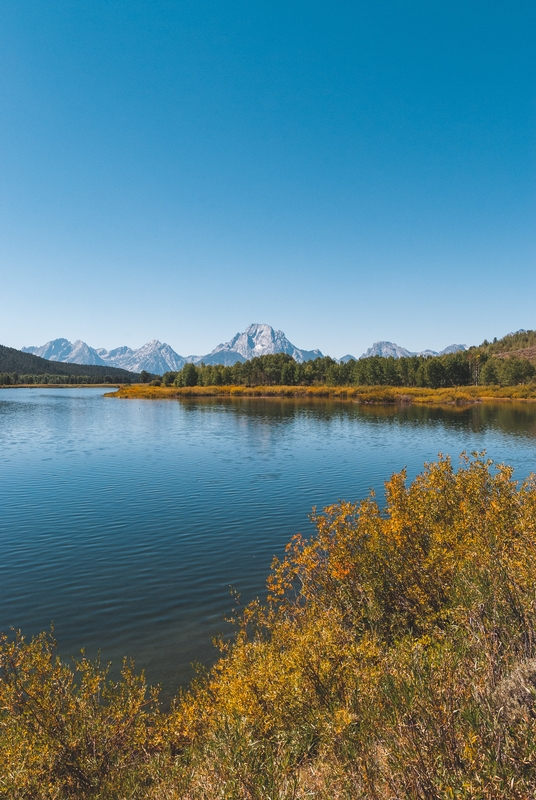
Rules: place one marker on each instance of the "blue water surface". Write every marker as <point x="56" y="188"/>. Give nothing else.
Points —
<point x="125" y="522"/>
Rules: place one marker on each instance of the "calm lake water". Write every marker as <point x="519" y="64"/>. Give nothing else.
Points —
<point x="126" y="522"/>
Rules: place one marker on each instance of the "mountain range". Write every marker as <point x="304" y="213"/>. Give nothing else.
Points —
<point x="157" y="357"/>
<point x="154" y="357"/>
<point x="390" y="349"/>
<point x="15" y="361"/>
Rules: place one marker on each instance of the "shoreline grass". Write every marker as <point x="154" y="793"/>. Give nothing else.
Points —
<point x="377" y="395"/>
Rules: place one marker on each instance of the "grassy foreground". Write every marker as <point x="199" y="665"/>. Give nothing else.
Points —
<point x="395" y="658"/>
<point x="359" y="394"/>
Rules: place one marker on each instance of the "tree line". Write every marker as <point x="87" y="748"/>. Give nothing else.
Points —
<point x="454" y="369"/>
<point x="14" y="379"/>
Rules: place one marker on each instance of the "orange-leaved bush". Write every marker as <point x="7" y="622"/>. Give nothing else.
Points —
<point x="373" y="669"/>
<point x="394" y="658"/>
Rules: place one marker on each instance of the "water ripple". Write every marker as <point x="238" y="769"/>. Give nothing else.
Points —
<point x="125" y="523"/>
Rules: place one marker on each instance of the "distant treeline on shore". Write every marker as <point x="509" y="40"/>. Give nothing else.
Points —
<point x="455" y="369"/>
<point x="14" y="379"/>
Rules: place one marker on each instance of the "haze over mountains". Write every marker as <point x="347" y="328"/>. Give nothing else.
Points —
<point x="157" y="357"/>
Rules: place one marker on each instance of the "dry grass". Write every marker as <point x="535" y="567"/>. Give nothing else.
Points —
<point x="379" y="395"/>
<point x="525" y="352"/>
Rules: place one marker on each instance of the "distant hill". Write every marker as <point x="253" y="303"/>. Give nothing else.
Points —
<point x="521" y="344"/>
<point x="12" y="360"/>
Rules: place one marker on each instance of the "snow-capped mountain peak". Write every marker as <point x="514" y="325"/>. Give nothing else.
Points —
<point x="257" y="340"/>
<point x="155" y="357"/>
<point x="67" y="352"/>
<point x="386" y="350"/>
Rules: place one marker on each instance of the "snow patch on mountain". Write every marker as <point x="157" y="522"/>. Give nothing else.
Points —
<point x="386" y="350"/>
<point x="392" y="350"/>
<point x="256" y="340"/>
<point x="67" y="352"/>
<point x="155" y="357"/>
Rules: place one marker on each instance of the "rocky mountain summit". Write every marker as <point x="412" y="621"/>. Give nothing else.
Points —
<point x="256" y="340"/>
<point x="392" y="350"/>
<point x="67" y="352"/>
<point x="154" y="357"/>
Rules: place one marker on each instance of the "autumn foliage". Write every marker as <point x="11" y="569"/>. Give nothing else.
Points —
<point x="366" y="395"/>
<point x="394" y="658"/>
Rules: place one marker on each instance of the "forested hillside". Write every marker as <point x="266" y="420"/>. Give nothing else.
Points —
<point x="512" y="342"/>
<point x="17" y="367"/>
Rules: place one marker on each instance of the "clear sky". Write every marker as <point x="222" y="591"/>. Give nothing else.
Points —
<point x="344" y="171"/>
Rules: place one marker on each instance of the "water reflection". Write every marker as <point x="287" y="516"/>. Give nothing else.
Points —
<point x="125" y="522"/>
<point x="510" y="418"/>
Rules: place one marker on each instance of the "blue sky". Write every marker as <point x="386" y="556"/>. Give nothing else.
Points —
<point x="346" y="172"/>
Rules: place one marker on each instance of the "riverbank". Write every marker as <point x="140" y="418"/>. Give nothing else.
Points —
<point x="379" y="395"/>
